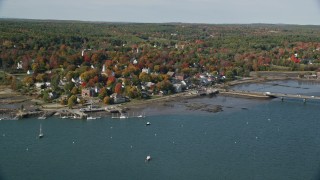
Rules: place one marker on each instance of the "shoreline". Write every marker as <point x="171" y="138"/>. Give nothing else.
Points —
<point x="37" y="107"/>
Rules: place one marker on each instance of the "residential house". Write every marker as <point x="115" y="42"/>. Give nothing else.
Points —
<point x="146" y="70"/>
<point x="145" y="94"/>
<point x="88" y="92"/>
<point x="180" y="77"/>
<point x="177" y="87"/>
<point x="118" y="98"/>
<point x="19" y="66"/>
<point x="29" y="72"/>
<point x="53" y="95"/>
<point x="103" y="69"/>
<point x="170" y="73"/>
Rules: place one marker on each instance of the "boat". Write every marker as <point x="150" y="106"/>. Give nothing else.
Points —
<point x="148" y="158"/>
<point x="40" y="133"/>
<point x="42" y="117"/>
<point x="141" y="116"/>
<point x="148" y="123"/>
<point x="122" y="116"/>
<point x="91" y="118"/>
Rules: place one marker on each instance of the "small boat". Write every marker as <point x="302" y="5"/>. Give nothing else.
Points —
<point x="40" y="133"/>
<point x="123" y="116"/>
<point x="42" y="117"/>
<point x="141" y="116"/>
<point x="148" y="123"/>
<point x="91" y="118"/>
<point x="148" y="158"/>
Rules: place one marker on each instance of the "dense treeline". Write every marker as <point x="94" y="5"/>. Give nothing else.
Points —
<point x="82" y="48"/>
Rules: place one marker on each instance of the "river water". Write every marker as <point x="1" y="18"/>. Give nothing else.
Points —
<point x="249" y="139"/>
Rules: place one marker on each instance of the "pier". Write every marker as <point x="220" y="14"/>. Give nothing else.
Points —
<point x="266" y="95"/>
<point x="293" y="96"/>
<point x="245" y="94"/>
<point x="73" y="113"/>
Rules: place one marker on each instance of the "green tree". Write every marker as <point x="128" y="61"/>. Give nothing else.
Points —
<point x="102" y="93"/>
<point x="72" y="101"/>
<point x="144" y="77"/>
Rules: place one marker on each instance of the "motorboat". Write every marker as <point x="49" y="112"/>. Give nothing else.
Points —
<point x="91" y="118"/>
<point x="42" y="117"/>
<point x="40" y="133"/>
<point x="122" y="116"/>
<point x="148" y="158"/>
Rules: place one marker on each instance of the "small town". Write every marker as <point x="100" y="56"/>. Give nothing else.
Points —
<point x="150" y="89"/>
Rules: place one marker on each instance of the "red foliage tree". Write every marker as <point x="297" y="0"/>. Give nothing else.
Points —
<point x="118" y="88"/>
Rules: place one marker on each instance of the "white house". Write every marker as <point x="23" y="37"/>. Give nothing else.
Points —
<point x="146" y="70"/>
<point x="103" y="69"/>
<point x="135" y="62"/>
<point x="19" y="66"/>
<point x="117" y="98"/>
<point x="177" y="87"/>
<point x="29" y="72"/>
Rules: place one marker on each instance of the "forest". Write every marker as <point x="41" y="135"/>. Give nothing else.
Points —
<point x="52" y="51"/>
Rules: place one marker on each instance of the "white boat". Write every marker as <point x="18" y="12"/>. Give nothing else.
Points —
<point x="40" y="133"/>
<point x="91" y="118"/>
<point x="148" y="123"/>
<point x="122" y="116"/>
<point x="141" y="116"/>
<point x="42" y="117"/>
<point x="148" y="158"/>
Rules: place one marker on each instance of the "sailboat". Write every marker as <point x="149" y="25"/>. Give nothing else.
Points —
<point x="40" y="133"/>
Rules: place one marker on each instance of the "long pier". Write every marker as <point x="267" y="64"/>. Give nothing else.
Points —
<point x="245" y="94"/>
<point x="293" y="96"/>
<point x="266" y="95"/>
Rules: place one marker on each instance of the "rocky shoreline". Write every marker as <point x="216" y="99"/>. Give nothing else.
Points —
<point x="13" y="105"/>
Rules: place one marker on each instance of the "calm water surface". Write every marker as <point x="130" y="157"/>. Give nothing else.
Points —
<point x="250" y="139"/>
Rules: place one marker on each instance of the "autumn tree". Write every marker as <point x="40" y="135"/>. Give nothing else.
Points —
<point x="144" y="77"/>
<point x="132" y="92"/>
<point x="107" y="100"/>
<point x="102" y="93"/>
<point x="118" y="88"/>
